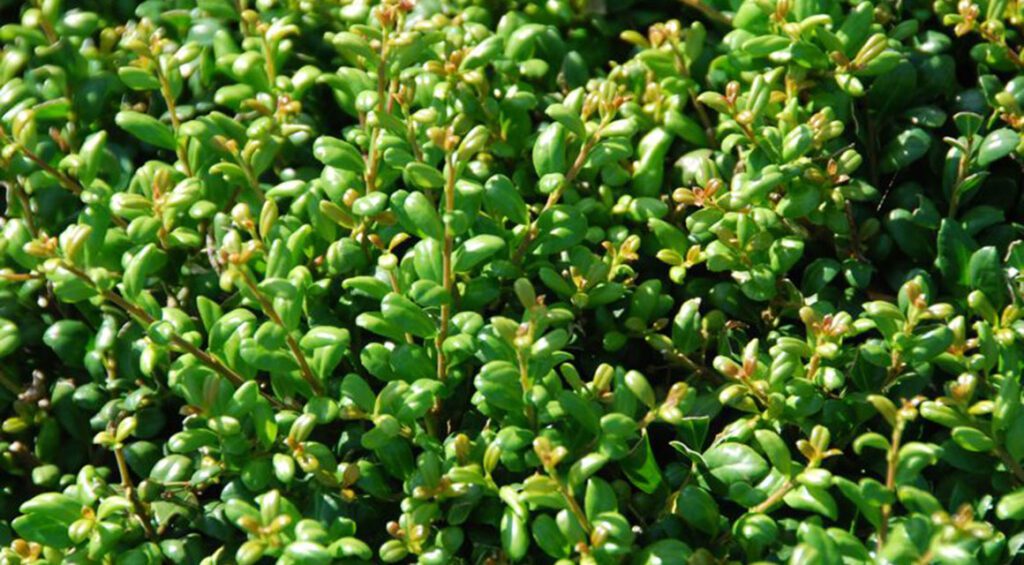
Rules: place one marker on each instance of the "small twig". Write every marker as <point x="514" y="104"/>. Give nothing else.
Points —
<point x="67" y="182"/>
<point x="19" y="277"/>
<point x="144" y="318"/>
<point x="775" y="497"/>
<point x="447" y="276"/>
<point x="533" y="231"/>
<point x="7" y="383"/>
<point x="373" y="158"/>
<point x="168" y="95"/>
<point x="524" y="382"/>
<point x="702" y="115"/>
<point x="129" y="489"/>
<point x="300" y="357"/>
<point x="1011" y="464"/>
<point x="892" y="460"/>
<point x="26" y="207"/>
<point x="708" y="12"/>
<point x="854" y="233"/>
<point x="680" y="358"/>
<point x="574" y="506"/>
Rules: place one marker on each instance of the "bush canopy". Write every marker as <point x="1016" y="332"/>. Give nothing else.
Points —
<point x="496" y="281"/>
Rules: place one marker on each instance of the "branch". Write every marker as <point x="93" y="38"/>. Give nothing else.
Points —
<point x="708" y="12"/>
<point x="145" y="319"/>
<point x="300" y="357"/>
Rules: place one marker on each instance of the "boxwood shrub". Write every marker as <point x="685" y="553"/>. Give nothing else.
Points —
<point x="497" y="281"/>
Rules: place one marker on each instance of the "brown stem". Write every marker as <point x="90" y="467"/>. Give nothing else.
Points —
<point x="708" y="12"/>
<point x="892" y="460"/>
<point x="524" y="382"/>
<point x="648" y="419"/>
<point x="268" y="54"/>
<point x="397" y="288"/>
<point x="894" y="370"/>
<point x="447" y="276"/>
<point x="775" y="497"/>
<point x="854" y="233"/>
<point x="705" y="120"/>
<point x="680" y="358"/>
<point x="961" y="174"/>
<point x="300" y="357"/>
<point x="1010" y="463"/>
<point x="6" y="382"/>
<point x="48" y="31"/>
<point x="26" y="207"/>
<point x="172" y="109"/>
<point x="65" y="181"/>
<point x="129" y="490"/>
<point x="373" y="159"/>
<point x="410" y="133"/>
<point x="145" y="319"/>
<point x="532" y="231"/>
<point x="18" y="277"/>
<point x="574" y="506"/>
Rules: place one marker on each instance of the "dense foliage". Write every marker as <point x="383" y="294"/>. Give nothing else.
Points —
<point x="496" y="281"/>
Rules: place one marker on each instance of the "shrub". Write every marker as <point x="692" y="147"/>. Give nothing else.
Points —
<point x="500" y="281"/>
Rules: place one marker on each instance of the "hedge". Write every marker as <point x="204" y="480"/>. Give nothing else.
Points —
<point x="497" y="281"/>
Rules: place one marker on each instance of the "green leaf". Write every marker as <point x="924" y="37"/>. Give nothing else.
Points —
<point x="686" y="327"/>
<point x="46" y="519"/>
<point x="972" y="439"/>
<point x="423" y="215"/>
<point x="797" y="142"/>
<point x="985" y="273"/>
<point x="698" y="509"/>
<point x="476" y="250"/>
<point x="968" y="123"/>
<point x="143" y="264"/>
<point x="338" y="153"/>
<point x="483" y="53"/>
<point x="955" y="248"/>
<point x="324" y="336"/>
<point x="927" y="346"/>
<point x="567" y="118"/>
<point x="91" y="154"/>
<point x="501" y="197"/>
<point x="561" y="227"/>
<point x="147" y="128"/>
<point x="997" y="144"/>
<point x="515" y="539"/>
<point x="776" y="450"/>
<point x="812" y="499"/>
<point x="137" y="78"/>
<point x="735" y="462"/>
<point x="1011" y="506"/>
<point x="549" y="151"/>
<point x="549" y="538"/>
<point x="10" y="337"/>
<point x="663" y="551"/>
<point x="581" y="410"/>
<point x="642" y="468"/>
<point x="599" y="498"/>
<point x="422" y="175"/>
<point x="404" y="314"/>
<point x="909" y="146"/>
<point x="370" y="205"/>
